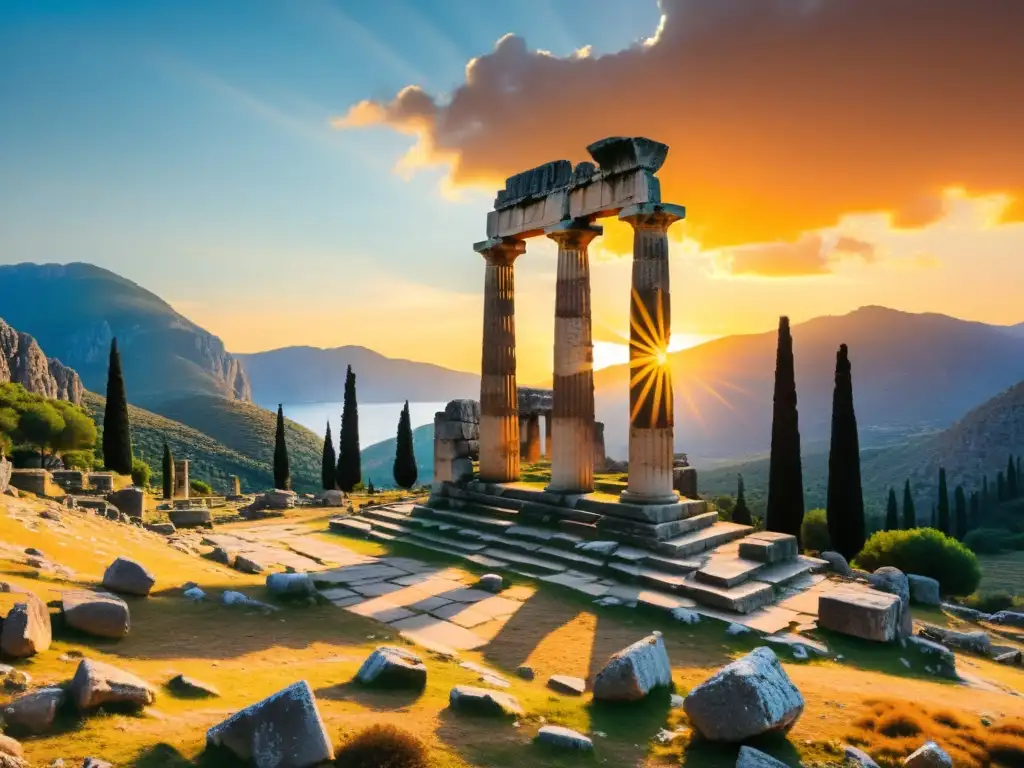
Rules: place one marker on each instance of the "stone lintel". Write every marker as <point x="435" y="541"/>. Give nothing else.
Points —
<point x="670" y="213"/>
<point x="618" y="154"/>
<point x="574" y="225"/>
<point x="535" y="400"/>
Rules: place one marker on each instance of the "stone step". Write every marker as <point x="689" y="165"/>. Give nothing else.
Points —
<point x="644" y="513"/>
<point x="670" y="582"/>
<point x="703" y="539"/>
<point x="546" y="536"/>
<point x="383" y="513"/>
<point x="658" y="531"/>
<point x="743" y="598"/>
<point x="578" y="560"/>
<point x="395" y="529"/>
<point x="482" y="509"/>
<point x="674" y="565"/>
<point x="493" y="500"/>
<point x="350" y="526"/>
<point x="458" y="545"/>
<point x="769" y="547"/>
<point x="464" y="519"/>
<point x="521" y="560"/>
<point x="781" y="573"/>
<point x="727" y="570"/>
<point x="547" y="514"/>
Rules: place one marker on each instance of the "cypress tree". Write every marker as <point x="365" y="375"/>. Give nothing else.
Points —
<point x="845" y="505"/>
<point x="405" y="459"/>
<point x="1011" y="478"/>
<point x="942" y="521"/>
<point x="1020" y="479"/>
<point x="1000" y="488"/>
<point x="282" y="473"/>
<point x="740" y="512"/>
<point x="785" y="511"/>
<point x="935" y="518"/>
<point x="986" y="498"/>
<point x="892" y="513"/>
<point x="975" y="511"/>
<point x="117" y="435"/>
<point x="909" y="513"/>
<point x="327" y="468"/>
<point x="960" y="507"/>
<point x="350" y="472"/>
<point x="168" y="470"/>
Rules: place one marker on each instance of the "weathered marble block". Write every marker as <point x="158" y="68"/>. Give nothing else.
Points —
<point x="870" y="615"/>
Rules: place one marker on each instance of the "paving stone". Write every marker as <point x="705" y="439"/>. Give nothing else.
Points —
<point x="407" y="564"/>
<point x="337" y="593"/>
<point x="429" y="631"/>
<point x="429" y="604"/>
<point x="380" y="609"/>
<point x="345" y="602"/>
<point x="468" y="595"/>
<point x="519" y="592"/>
<point x="376" y="588"/>
<point x="650" y="598"/>
<point x="358" y="573"/>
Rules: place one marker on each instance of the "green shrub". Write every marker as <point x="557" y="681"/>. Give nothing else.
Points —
<point x="200" y="488"/>
<point x="1015" y="542"/>
<point x="986" y="541"/>
<point x="926" y="552"/>
<point x="814" y="531"/>
<point x="382" y="746"/>
<point x="84" y="460"/>
<point x="990" y="602"/>
<point x="141" y="472"/>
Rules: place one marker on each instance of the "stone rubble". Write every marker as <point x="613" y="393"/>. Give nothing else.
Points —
<point x="633" y="672"/>
<point x="393" y="667"/>
<point x="33" y="713"/>
<point x="96" y="684"/>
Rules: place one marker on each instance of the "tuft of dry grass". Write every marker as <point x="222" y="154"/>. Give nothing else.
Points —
<point x="383" y="746"/>
<point x="892" y="729"/>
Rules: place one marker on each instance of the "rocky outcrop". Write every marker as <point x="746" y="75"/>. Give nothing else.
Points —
<point x="22" y="361"/>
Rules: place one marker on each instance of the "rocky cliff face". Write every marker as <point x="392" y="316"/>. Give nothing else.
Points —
<point x="23" y="362"/>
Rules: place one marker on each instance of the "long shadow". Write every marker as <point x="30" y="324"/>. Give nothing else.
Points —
<point x="880" y="657"/>
<point x="378" y="698"/>
<point x="706" y="754"/>
<point x="536" y="619"/>
<point x="165" y="756"/>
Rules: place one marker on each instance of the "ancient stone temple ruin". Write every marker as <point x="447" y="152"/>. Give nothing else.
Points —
<point x="181" y="485"/>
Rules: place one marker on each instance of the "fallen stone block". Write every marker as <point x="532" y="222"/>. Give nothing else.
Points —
<point x="937" y="656"/>
<point x="33" y="713"/>
<point x="97" y="684"/>
<point x="393" y="667"/>
<point x="248" y="565"/>
<point x="633" y="672"/>
<point x="1008" y="618"/>
<point x="26" y="630"/>
<point x="128" y="577"/>
<point x="191" y="518"/>
<point x="749" y="697"/>
<point x="573" y="686"/>
<point x="974" y="642"/>
<point x="564" y="738"/>
<point x="282" y="731"/>
<point x="861" y="613"/>
<point x="130" y="501"/>
<point x="924" y="590"/>
<point x="895" y="582"/>
<point x="858" y="758"/>
<point x="290" y="584"/>
<point x="96" y="613"/>
<point x="755" y="758"/>
<point x="481" y="701"/>
<point x="930" y="755"/>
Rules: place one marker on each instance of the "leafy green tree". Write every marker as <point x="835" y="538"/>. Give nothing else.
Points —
<point x="845" y="505"/>
<point x="405" y="459"/>
<point x="168" y="472"/>
<point x="8" y="427"/>
<point x="79" y="430"/>
<point x="350" y="472"/>
<point x="282" y="472"/>
<point x="960" y="507"/>
<point x="785" y="510"/>
<point x="200" y="488"/>
<point x="117" y="436"/>
<point x="327" y="467"/>
<point x="141" y="473"/>
<point x="892" y="512"/>
<point x="909" y="513"/>
<point x="39" y="425"/>
<point x="942" y="522"/>
<point x="741" y="512"/>
<point x="1012" y="481"/>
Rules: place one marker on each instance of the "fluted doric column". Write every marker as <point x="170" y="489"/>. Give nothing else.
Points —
<point x="650" y="328"/>
<point x="572" y="455"/>
<point x="499" y="398"/>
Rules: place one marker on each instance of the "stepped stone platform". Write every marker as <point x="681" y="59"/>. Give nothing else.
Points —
<point x="677" y="555"/>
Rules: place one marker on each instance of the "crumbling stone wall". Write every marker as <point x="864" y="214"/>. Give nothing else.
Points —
<point x="5" y="473"/>
<point x="456" y="441"/>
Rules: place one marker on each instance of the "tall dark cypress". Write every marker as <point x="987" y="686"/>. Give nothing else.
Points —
<point x="974" y="515"/>
<point x="785" y="510"/>
<point x="327" y="467"/>
<point x="741" y="512"/>
<point x="405" y="459"/>
<point x="282" y="472"/>
<point x="942" y="521"/>
<point x="350" y="472"/>
<point x="117" y="435"/>
<point x="892" y="512"/>
<point x="1020" y="478"/>
<point x="168" y="471"/>
<point x="960" y="512"/>
<point x="909" y="513"/>
<point x="986" y="497"/>
<point x="845" y="505"/>
<point x="1012" y="481"/>
<point x="1000" y="488"/>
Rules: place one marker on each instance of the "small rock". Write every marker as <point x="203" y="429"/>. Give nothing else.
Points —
<point x="837" y="563"/>
<point x="676" y="701"/>
<point x="195" y="594"/>
<point x="737" y="629"/>
<point x="96" y="684"/>
<point x="496" y="681"/>
<point x="525" y="672"/>
<point x="574" y="686"/>
<point x="975" y="642"/>
<point x="964" y="612"/>
<point x="482" y="701"/>
<point x="128" y="577"/>
<point x="189" y="687"/>
<point x="605" y="548"/>
<point x="224" y="555"/>
<point x="858" y="758"/>
<point x="15" y="679"/>
<point x="247" y="565"/>
<point x="289" y="584"/>
<point x="34" y="552"/>
<point x="564" y="738"/>
<point x="800" y="653"/>
<point x="607" y="601"/>
<point x="230" y="597"/>
<point x="924" y="590"/>
<point x="930" y="755"/>
<point x="633" y="672"/>
<point x="1009" y="657"/>
<point x="34" y="713"/>
<point x="685" y="615"/>
<point x="393" y="667"/>
<point x="755" y="758"/>
<point x="491" y="582"/>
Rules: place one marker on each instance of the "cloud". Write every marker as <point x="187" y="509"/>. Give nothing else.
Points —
<point x="781" y="115"/>
<point x="810" y="255"/>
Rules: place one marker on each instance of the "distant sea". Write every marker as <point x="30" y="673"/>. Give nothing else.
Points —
<point x="377" y="421"/>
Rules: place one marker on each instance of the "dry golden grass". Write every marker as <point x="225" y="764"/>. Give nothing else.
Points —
<point x="894" y="728"/>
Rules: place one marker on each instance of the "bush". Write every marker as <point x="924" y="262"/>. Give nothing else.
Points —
<point x="814" y="531"/>
<point x="926" y="552"/>
<point x="990" y="602"/>
<point x="141" y="472"/>
<point x="83" y="460"/>
<point x="986" y="541"/>
<point x="1015" y="542"/>
<point x="382" y="746"/>
<point x="200" y="488"/>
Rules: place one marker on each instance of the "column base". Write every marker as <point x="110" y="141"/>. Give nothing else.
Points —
<point x="567" y="491"/>
<point x="629" y="497"/>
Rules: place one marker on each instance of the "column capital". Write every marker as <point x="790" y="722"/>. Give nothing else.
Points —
<point x="574" y="233"/>
<point x="500" y="250"/>
<point x="659" y="216"/>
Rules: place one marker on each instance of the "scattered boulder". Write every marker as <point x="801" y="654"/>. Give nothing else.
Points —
<point x="924" y="590"/>
<point x="604" y="548"/>
<point x="895" y="582"/>
<point x="282" y="731"/>
<point x="525" y="672"/>
<point x="96" y="613"/>
<point x="737" y="629"/>
<point x="755" y="758"/>
<point x="33" y="713"/>
<point x="230" y="597"/>
<point x="195" y="594"/>
<point x="939" y="657"/>
<point x="860" y="613"/>
<point x="224" y="555"/>
<point x="685" y="615"/>
<point x="573" y="686"/>
<point x="564" y="738"/>
<point x="189" y="687"/>
<point x="26" y="630"/>
<point x="858" y="758"/>
<point x="1008" y="618"/>
<point x="393" y="667"/>
<point x="290" y="585"/>
<point x="633" y="672"/>
<point x="248" y="565"/>
<point x="128" y="577"/>
<point x="191" y="518"/>
<point x="749" y="697"/>
<point x="482" y="701"/>
<point x="837" y="564"/>
<point x="491" y="582"/>
<point x="96" y="684"/>
<point x="974" y="642"/>
<point x="130" y="501"/>
<point x="164" y="529"/>
<point x="333" y="498"/>
<point x="930" y="755"/>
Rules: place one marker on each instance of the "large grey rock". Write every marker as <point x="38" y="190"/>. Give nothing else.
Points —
<point x="332" y="498"/>
<point x="749" y="697"/>
<point x="837" y="564"/>
<point x="564" y="738"/>
<point x="393" y="667"/>
<point x="290" y="584"/>
<point x="975" y="642"/>
<point x="929" y="755"/>
<point x="895" y="582"/>
<point x="191" y="518"/>
<point x="483" y="701"/>
<point x="755" y="758"/>
<point x="128" y="577"/>
<point x="96" y="613"/>
<point x="861" y="613"/>
<point x="131" y="501"/>
<point x="858" y="758"/>
<point x="1008" y="618"/>
<point x="937" y="657"/>
<point x="282" y="731"/>
<point x="96" y="684"/>
<point x="633" y="672"/>
<point x="26" y="630"/>
<point x="924" y="590"/>
<point x="34" y="713"/>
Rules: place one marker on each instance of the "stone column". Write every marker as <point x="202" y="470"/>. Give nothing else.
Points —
<point x="532" y="443"/>
<point x="499" y="398"/>
<point x="650" y="327"/>
<point x="547" y="435"/>
<point x="572" y="456"/>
